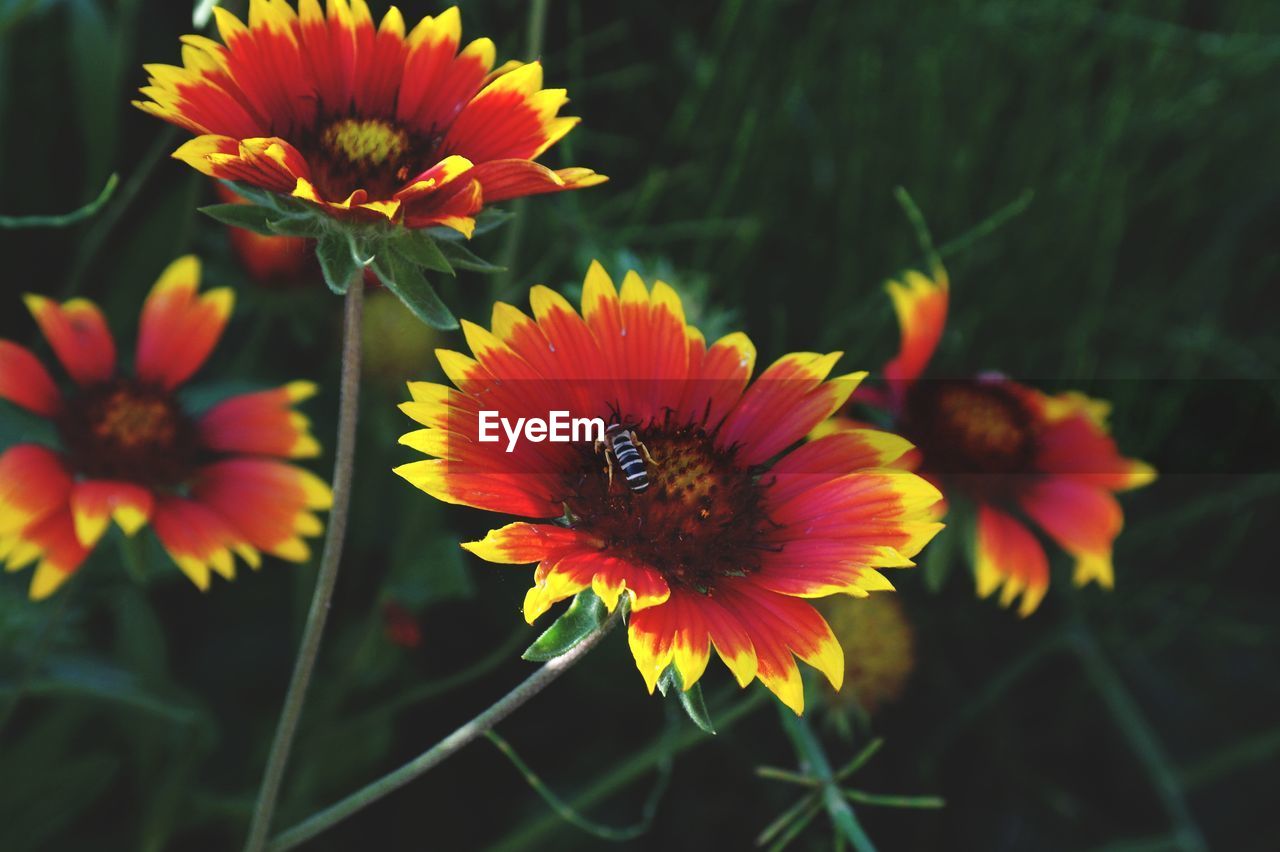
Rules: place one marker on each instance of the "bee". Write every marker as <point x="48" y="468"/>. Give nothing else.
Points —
<point x="621" y="442"/>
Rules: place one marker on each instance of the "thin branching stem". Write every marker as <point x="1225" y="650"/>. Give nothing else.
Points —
<point x="446" y="748"/>
<point x="327" y="577"/>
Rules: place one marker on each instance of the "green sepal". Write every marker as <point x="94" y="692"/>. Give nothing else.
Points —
<point x="336" y="252"/>
<point x="250" y="217"/>
<point x="948" y="547"/>
<point x="307" y="225"/>
<point x="690" y="699"/>
<point x="406" y="280"/>
<point x="584" y="615"/>
<point x="420" y="249"/>
<point x="462" y="257"/>
<point x="254" y="195"/>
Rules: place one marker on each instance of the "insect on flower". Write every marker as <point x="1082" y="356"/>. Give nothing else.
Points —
<point x="740" y="523"/>
<point x="621" y="444"/>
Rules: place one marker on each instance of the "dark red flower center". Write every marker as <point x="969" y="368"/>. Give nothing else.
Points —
<point x="372" y="154"/>
<point x="970" y="428"/>
<point x="128" y="431"/>
<point x="701" y="519"/>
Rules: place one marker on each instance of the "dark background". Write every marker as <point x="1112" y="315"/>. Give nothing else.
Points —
<point x="1127" y="151"/>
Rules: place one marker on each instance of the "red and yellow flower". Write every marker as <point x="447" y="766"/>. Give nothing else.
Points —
<point x="362" y="121"/>
<point x="736" y="529"/>
<point x="213" y="485"/>
<point x="1022" y="456"/>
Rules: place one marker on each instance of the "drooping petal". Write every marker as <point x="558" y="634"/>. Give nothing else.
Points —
<point x="501" y="180"/>
<point x="1074" y="444"/>
<point x="79" y="336"/>
<point x="1084" y="520"/>
<point x="262" y="423"/>
<point x="25" y="382"/>
<point x="179" y="325"/>
<point x="1008" y="555"/>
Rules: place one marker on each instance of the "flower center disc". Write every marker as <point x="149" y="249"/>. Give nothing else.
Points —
<point x="700" y="520"/>
<point x="126" y="431"/>
<point x="970" y="428"/>
<point x="367" y="153"/>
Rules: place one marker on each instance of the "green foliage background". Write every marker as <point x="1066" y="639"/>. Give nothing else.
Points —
<point x="753" y="149"/>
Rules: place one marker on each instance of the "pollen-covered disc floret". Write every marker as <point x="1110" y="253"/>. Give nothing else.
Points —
<point x="1014" y="451"/>
<point x="213" y="484"/>
<point x="365" y="122"/>
<point x="738" y="520"/>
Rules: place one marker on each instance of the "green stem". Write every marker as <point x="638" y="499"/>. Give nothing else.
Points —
<point x="327" y="577"/>
<point x="1128" y="716"/>
<point x="446" y="748"/>
<point x="511" y="247"/>
<point x="811" y="753"/>
<point x="535" y="834"/>
<point x="883" y="801"/>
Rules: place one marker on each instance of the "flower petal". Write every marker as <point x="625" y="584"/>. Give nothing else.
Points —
<point x="179" y="326"/>
<point x="79" y="336"/>
<point x="921" y="306"/>
<point x="1008" y="555"/>
<point x="262" y="423"/>
<point x="1082" y="519"/>
<point x="25" y="382"/>
<point x="94" y="503"/>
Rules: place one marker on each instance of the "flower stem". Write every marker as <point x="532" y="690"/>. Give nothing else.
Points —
<point x="327" y="577"/>
<point x="811" y="753"/>
<point x="446" y="748"/>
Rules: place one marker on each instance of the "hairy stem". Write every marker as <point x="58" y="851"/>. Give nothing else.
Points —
<point x="326" y="579"/>
<point x="446" y="748"/>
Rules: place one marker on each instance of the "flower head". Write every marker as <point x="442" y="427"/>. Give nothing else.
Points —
<point x="212" y="484"/>
<point x="880" y="640"/>
<point x="1021" y="455"/>
<point x="364" y="122"/>
<point x="734" y="530"/>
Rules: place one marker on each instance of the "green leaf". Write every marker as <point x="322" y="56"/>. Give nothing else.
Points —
<point x="251" y="217"/>
<point x="253" y="194"/>
<point x="407" y="282"/>
<point x="62" y="220"/>
<point x="462" y="257"/>
<point x="418" y="248"/>
<point x="309" y="225"/>
<point x="690" y="699"/>
<point x="337" y="255"/>
<point x="584" y="615"/>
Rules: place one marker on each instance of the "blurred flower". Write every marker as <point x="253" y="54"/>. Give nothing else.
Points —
<point x="396" y="344"/>
<point x="1018" y="453"/>
<point x="722" y="546"/>
<point x="879" y="646"/>
<point x="400" y="626"/>
<point x="274" y="262"/>
<point x="364" y="123"/>
<point x="212" y="485"/>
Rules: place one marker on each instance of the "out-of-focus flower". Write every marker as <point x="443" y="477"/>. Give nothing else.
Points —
<point x="396" y="345"/>
<point x="274" y="262"/>
<point x="732" y="532"/>
<point x="400" y="626"/>
<point x="363" y="122"/>
<point x="1021" y="455"/>
<point x="879" y="646"/>
<point x="213" y="485"/>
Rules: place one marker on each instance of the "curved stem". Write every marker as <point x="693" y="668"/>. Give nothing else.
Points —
<point x="446" y="748"/>
<point x="327" y="577"/>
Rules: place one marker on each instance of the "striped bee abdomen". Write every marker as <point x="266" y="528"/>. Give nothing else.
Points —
<point x="629" y="460"/>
